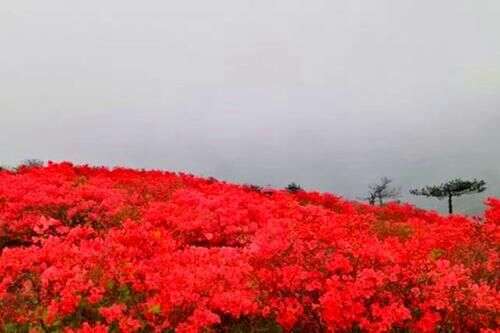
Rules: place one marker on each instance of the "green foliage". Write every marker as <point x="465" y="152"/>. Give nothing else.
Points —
<point x="293" y="187"/>
<point x="32" y="163"/>
<point x="385" y="229"/>
<point x="155" y="309"/>
<point x="16" y="328"/>
<point x="436" y="253"/>
<point x="249" y="325"/>
<point x="253" y="188"/>
<point x="455" y="187"/>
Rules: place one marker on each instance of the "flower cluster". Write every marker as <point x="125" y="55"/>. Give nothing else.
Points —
<point x="86" y="249"/>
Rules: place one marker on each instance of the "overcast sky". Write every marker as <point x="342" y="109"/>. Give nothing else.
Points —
<point x="329" y="94"/>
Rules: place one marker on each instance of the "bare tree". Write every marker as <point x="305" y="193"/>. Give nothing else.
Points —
<point x="381" y="191"/>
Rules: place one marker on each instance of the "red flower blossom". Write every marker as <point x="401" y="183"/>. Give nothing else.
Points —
<point x="86" y="249"/>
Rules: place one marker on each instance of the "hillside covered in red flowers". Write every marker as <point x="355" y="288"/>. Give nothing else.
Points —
<point x="86" y="249"/>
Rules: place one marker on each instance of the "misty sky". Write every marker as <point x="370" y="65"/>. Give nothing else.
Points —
<point x="329" y="94"/>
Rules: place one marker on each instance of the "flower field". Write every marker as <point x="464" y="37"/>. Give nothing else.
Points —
<point x="86" y="249"/>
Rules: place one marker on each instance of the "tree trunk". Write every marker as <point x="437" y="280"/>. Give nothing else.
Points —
<point x="450" y="204"/>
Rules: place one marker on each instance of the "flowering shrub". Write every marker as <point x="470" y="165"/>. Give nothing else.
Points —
<point x="95" y="250"/>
